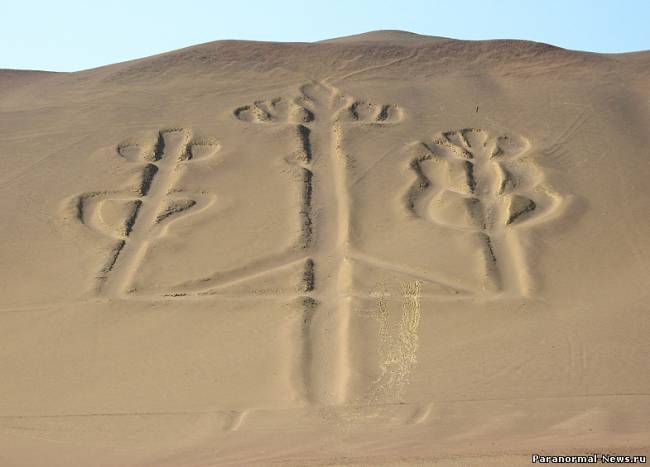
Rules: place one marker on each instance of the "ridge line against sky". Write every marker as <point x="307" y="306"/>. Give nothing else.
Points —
<point x="75" y="35"/>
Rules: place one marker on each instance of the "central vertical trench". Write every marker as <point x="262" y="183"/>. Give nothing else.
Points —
<point x="328" y="333"/>
<point x="342" y="277"/>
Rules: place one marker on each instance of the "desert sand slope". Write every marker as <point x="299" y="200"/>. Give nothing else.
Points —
<point x="386" y="249"/>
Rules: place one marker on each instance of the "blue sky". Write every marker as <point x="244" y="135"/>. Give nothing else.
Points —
<point x="72" y="35"/>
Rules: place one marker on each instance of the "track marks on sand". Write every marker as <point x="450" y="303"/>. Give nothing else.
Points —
<point x="398" y="338"/>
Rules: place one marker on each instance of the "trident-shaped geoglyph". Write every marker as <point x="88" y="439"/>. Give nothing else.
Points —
<point x="467" y="180"/>
<point x="316" y="119"/>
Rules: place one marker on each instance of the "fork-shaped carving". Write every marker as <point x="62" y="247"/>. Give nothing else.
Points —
<point x="134" y="217"/>
<point x="472" y="181"/>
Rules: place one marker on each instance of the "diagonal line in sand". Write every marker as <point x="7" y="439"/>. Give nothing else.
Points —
<point x="453" y="289"/>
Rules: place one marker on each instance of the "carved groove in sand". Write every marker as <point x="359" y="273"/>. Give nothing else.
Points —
<point x="316" y="119"/>
<point x="473" y="181"/>
<point x="136" y="216"/>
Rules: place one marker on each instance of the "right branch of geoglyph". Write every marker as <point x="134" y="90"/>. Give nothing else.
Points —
<point x="470" y="180"/>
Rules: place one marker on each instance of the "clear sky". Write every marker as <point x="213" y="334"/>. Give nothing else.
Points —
<point x="68" y="35"/>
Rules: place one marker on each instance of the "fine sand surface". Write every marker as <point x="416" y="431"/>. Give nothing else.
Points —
<point x="386" y="249"/>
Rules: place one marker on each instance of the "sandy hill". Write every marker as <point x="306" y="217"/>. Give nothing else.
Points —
<point x="384" y="249"/>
